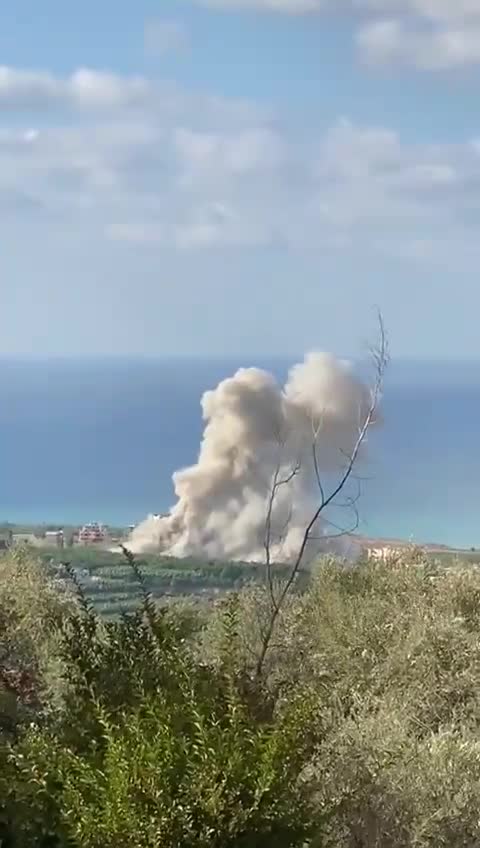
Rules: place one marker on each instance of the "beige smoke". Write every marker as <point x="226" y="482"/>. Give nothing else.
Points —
<point x="253" y="429"/>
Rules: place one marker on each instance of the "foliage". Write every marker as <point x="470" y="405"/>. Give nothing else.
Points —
<point x="179" y="771"/>
<point x="389" y="786"/>
<point x="111" y="586"/>
<point x="155" y="747"/>
<point x="31" y="612"/>
<point x="363" y="729"/>
<point x="392" y="651"/>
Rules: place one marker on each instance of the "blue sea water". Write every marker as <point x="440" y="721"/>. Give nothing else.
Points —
<point x="99" y="440"/>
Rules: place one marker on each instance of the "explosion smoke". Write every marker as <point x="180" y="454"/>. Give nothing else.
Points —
<point x="255" y="429"/>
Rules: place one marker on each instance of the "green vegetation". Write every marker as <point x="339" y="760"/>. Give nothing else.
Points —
<point x="108" y="582"/>
<point x="156" y="728"/>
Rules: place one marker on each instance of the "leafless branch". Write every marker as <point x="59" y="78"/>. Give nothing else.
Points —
<point x="277" y="484"/>
<point x="342" y="532"/>
<point x="317" y="471"/>
<point x="351" y="501"/>
<point x="286" y="524"/>
<point x="379" y="357"/>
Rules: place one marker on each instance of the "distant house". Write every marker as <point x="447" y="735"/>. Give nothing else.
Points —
<point x="92" y="534"/>
<point x="55" y="538"/>
<point x="384" y="553"/>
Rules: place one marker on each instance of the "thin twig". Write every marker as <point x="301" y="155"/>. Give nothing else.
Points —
<point x="276" y="485"/>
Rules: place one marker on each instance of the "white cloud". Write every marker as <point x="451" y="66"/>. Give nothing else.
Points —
<point x="430" y="35"/>
<point x="19" y="88"/>
<point x="352" y="151"/>
<point x="89" y="89"/>
<point x="427" y="48"/>
<point x="165" y="35"/>
<point x="94" y="89"/>
<point x="30" y="135"/>
<point x="202" y="173"/>
<point x="438" y="10"/>
<point x="214" y="157"/>
<point x="186" y="197"/>
<point x="289" y="7"/>
<point x="92" y="93"/>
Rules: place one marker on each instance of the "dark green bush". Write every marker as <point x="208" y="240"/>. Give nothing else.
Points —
<point x="154" y="747"/>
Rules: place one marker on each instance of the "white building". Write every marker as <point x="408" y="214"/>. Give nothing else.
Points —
<point x="55" y="538"/>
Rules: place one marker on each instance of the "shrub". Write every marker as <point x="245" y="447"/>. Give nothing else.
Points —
<point x="31" y="613"/>
<point x="392" y="652"/>
<point x="180" y="772"/>
<point x="155" y="747"/>
<point x="385" y="786"/>
<point x="362" y="731"/>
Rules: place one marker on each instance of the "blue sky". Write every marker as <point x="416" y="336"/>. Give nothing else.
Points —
<point x="239" y="176"/>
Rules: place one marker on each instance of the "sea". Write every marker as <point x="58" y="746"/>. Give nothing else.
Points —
<point x="99" y="439"/>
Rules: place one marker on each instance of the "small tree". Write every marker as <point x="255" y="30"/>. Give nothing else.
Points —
<point x="327" y="498"/>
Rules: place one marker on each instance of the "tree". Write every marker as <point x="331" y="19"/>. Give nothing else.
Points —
<point x="379" y="357"/>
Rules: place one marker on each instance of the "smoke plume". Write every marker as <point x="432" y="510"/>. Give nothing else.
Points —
<point x="257" y="432"/>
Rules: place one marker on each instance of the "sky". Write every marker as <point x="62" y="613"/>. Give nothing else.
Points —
<point x="232" y="177"/>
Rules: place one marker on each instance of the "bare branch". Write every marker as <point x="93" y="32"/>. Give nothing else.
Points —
<point x="379" y="357"/>
<point x="342" y="531"/>
<point x="317" y="472"/>
<point x="286" y="525"/>
<point x="276" y="485"/>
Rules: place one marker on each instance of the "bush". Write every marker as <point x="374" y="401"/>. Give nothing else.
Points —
<point x="31" y="613"/>
<point x="180" y="773"/>
<point x="392" y="652"/>
<point x="362" y="729"/>
<point x="385" y="786"/>
<point x="154" y="747"/>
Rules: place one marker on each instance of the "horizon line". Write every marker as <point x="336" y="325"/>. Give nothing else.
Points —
<point x="406" y="359"/>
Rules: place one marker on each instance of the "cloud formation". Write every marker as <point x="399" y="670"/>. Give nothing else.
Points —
<point x="289" y="7"/>
<point x="146" y="164"/>
<point x="432" y="9"/>
<point x="430" y="35"/>
<point x="429" y="48"/>
<point x="85" y="88"/>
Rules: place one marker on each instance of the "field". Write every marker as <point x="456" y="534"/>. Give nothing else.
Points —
<point x="108" y="580"/>
<point x="109" y="583"/>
